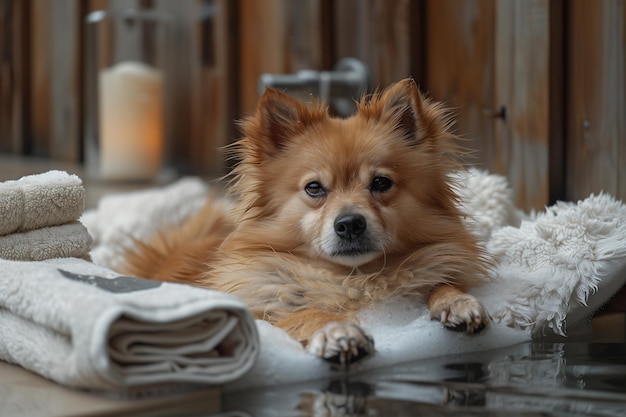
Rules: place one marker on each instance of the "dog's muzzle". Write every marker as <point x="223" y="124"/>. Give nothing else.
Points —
<point x="350" y="241"/>
<point x="353" y="239"/>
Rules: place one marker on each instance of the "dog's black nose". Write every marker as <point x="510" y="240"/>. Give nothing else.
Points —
<point x="350" y="226"/>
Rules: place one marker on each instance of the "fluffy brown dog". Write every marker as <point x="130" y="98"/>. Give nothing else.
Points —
<point x="332" y="214"/>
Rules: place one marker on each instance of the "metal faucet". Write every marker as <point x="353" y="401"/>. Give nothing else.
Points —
<point x="347" y="82"/>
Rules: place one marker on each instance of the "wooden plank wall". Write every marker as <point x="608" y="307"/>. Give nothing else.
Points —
<point x="66" y="78"/>
<point x="13" y="82"/>
<point x="459" y="70"/>
<point x="384" y="34"/>
<point x="596" y="89"/>
<point x="489" y="61"/>
<point x="39" y="70"/>
<point x="46" y="78"/>
<point x="522" y="88"/>
<point x="285" y="36"/>
<point x="214" y="103"/>
<point x="278" y="37"/>
<point x="558" y="67"/>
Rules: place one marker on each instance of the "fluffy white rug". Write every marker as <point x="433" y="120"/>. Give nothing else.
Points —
<point x="554" y="266"/>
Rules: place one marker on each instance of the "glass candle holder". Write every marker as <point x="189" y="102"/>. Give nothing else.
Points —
<point x="126" y="74"/>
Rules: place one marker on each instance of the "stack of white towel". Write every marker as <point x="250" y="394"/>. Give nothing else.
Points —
<point x="40" y="218"/>
<point x="86" y="326"/>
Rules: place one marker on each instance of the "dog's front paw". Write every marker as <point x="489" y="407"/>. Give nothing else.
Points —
<point x="341" y="343"/>
<point x="462" y="312"/>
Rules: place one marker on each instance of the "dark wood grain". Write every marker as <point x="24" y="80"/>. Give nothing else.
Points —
<point x="596" y="120"/>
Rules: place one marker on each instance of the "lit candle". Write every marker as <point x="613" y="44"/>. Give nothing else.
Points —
<point x="131" y="122"/>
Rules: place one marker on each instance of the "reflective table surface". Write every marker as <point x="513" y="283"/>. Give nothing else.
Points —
<point x="530" y="379"/>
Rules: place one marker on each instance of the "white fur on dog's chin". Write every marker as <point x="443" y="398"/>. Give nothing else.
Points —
<point x="354" y="261"/>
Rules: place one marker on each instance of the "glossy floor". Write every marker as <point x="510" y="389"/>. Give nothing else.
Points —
<point x="532" y="379"/>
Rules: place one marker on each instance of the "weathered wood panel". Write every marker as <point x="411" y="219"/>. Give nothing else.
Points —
<point x="215" y="94"/>
<point x="13" y="74"/>
<point x="459" y="67"/>
<point x="477" y="55"/>
<point x="384" y="34"/>
<point x="213" y="84"/>
<point x="66" y="80"/>
<point x="278" y="36"/>
<point x="556" y="109"/>
<point x="523" y="89"/>
<point x="263" y="29"/>
<point x="596" y="145"/>
<point x="38" y="120"/>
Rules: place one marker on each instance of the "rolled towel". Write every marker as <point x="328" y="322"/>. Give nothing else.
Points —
<point x="66" y="241"/>
<point x="85" y="326"/>
<point x="35" y="201"/>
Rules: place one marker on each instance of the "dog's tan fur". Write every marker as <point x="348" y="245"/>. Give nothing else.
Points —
<point x="273" y="250"/>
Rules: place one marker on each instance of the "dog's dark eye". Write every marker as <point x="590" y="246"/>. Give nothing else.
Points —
<point x="315" y="189"/>
<point x="380" y="184"/>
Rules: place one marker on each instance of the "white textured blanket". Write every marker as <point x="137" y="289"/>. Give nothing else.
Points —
<point x="556" y="266"/>
<point x="85" y="326"/>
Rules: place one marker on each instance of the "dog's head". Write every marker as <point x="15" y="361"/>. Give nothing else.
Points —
<point x="348" y="190"/>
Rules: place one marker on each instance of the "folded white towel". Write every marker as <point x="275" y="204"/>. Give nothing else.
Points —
<point x="49" y="199"/>
<point x="65" y="241"/>
<point x="85" y="326"/>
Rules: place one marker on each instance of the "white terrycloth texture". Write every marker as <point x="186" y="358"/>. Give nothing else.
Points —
<point x="65" y="241"/>
<point x="85" y="326"/>
<point x="35" y="201"/>
<point x="119" y="218"/>
<point x="557" y="265"/>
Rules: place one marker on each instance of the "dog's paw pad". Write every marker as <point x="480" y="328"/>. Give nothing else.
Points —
<point x="463" y="313"/>
<point x="341" y="344"/>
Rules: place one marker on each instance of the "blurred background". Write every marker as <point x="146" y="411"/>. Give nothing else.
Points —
<point x="538" y="86"/>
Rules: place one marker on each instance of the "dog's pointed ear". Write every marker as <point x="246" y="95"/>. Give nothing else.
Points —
<point x="280" y="118"/>
<point x="402" y="105"/>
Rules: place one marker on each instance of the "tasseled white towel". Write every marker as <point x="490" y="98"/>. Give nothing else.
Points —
<point x="35" y="201"/>
<point x="65" y="241"/>
<point x="85" y="326"/>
